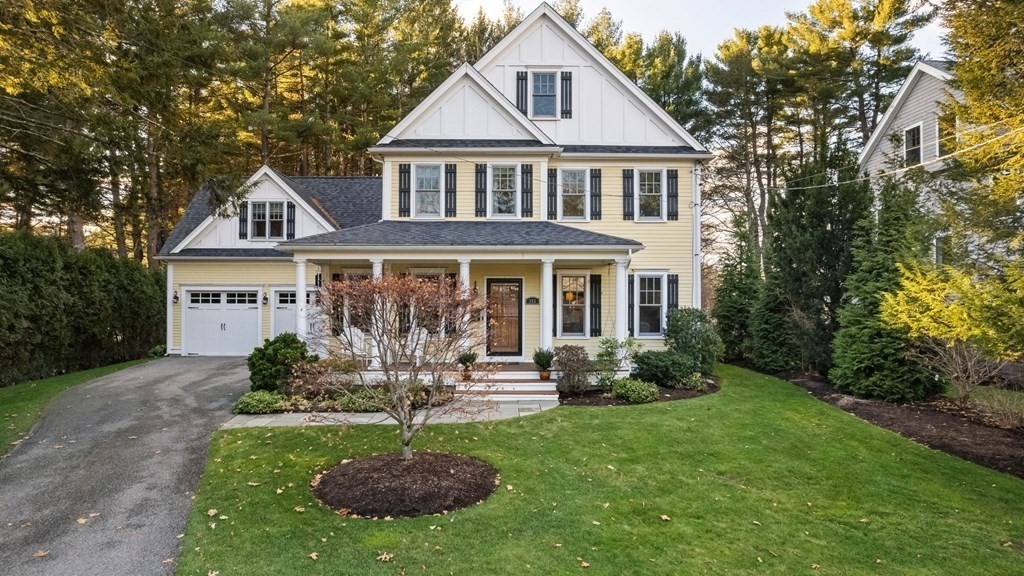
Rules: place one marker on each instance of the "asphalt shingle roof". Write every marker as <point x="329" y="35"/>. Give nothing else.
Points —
<point x="232" y="253"/>
<point x="461" y="233"/>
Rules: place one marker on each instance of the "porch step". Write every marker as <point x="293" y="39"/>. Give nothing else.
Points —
<point x="506" y="386"/>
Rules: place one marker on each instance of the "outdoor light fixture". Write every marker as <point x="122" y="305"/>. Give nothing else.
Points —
<point x="266" y="299"/>
<point x="175" y="298"/>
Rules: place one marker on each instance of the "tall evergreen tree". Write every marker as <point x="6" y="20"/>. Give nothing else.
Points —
<point x="675" y="80"/>
<point x="738" y="288"/>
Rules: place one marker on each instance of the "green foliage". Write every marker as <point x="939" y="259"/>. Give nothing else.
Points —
<point x="696" y="381"/>
<point x="467" y="359"/>
<point x="259" y="402"/>
<point x="870" y="358"/>
<point x="690" y="332"/>
<point x="543" y="358"/>
<point x="634" y="391"/>
<point x="158" y="351"/>
<point x="612" y="355"/>
<point x="772" y="345"/>
<point x="574" y="367"/>
<point x="667" y="368"/>
<point x="367" y="399"/>
<point x="63" y="310"/>
<point x="270" y="365"/>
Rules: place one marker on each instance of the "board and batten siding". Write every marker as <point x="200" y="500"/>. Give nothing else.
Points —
<point x="260" y="275"/>
<point x="922" y="105"/>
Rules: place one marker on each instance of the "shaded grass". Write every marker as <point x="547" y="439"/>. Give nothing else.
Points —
<point x="758" y="478"/>
<point x="21" y="404"/>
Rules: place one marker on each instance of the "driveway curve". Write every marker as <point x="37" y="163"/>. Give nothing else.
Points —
<point x="104" y="483"/>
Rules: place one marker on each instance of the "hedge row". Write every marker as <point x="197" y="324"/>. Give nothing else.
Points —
<point x="62" y="310"/>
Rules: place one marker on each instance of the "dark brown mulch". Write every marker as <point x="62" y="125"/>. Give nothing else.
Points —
<point x="938" y="425"/>
<point x="385" y="486"/>
<point x="603" y="398"/>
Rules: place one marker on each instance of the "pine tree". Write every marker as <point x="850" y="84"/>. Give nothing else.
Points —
<point x="674" y="80"/>
<point x="604" y="32"/>
<point x="737" y="291"/>
<point x="572" y="11"/>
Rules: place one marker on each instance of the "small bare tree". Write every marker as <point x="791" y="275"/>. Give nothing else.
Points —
<point x="961" y="364"/>
<point x="405" y="334"/>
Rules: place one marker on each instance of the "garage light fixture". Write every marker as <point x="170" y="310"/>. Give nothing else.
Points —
<point x="266" y="299"/>
<point x="175" y="298"/>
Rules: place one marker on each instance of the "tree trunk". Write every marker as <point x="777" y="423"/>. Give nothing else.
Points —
<point x="76" y="231"/>
<point x="152" y="196"/>
<point x="116" y="207"/>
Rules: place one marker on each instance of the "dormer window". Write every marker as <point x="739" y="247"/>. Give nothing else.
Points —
<point x="267" y="220"/>
<point x="544" y="95"/>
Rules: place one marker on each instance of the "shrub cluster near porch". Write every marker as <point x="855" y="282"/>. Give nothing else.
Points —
<point x="62" y="310"/>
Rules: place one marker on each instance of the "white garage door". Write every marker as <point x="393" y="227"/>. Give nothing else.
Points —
<point x="284" y="318"/>
<point x="222" y="323"/>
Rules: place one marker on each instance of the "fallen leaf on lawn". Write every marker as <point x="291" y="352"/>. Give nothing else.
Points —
<point x="665" y="518"/>
<point x="558" y="546"/>
<point x="300" y="509"/>
<point x="815" y="566"/>
<point x="280" y="490"/>
<point x="585" y="564"/>
<point x="759" y="560"/>
<point x="222" y="517"/>
<point x="756" y="523"/>
<point x="254" y="483"/>
<point x="864" y="520"/>
<point x="211" y="512"/>
<point x="1007" y="543"/>
<point x="596" y="523"/>
<point x="213" y="573"/>
<point x="313" y="555"/>
<point x="213" y="525"/>
<point x="385" y="557"/>
<point x="509" y="487"/>
<point x="40" y="553"/>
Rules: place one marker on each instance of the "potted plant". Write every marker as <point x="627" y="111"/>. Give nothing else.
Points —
<point x="544" y="359"/>
<point x="466" y="360"/>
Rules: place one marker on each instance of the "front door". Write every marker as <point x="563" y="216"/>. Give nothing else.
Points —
<point x="505" y="327"/>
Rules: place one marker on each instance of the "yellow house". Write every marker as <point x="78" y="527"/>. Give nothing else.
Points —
<point x="540" y="176"/>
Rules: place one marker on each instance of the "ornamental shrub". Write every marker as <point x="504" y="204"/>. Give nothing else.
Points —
<point x="270" y="366"/>
<point x="666" y="368"/>
<point x="259" y="402"/>
<point x="574" y="366"/>
<point x="634" y="391"/>
<point x="689" y="331"/>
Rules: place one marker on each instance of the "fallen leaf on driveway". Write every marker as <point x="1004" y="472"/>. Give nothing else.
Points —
<point x="82" y="520"/>
<point x="40" y="553"/>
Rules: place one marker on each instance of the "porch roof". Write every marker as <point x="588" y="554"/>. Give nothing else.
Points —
<point x="449" y="234"/>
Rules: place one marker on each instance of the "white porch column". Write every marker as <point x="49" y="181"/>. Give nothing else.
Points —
<point x="547" y="315"/>
<point x="378" y="271"/>
<point x="464" y="286"/>
<point x="300" y="298"/>
<point x="621" y="299"/>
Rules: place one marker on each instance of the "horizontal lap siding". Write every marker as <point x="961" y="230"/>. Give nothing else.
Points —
<point x="465" y="186"/>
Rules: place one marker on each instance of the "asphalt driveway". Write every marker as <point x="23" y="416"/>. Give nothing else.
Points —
<point x="104" y="483"/>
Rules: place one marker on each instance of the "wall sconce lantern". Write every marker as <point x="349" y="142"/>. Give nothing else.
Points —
<point x="266" y="299"/>
<point x="175" y="298"/>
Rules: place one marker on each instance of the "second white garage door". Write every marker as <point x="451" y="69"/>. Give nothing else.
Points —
<point x="221" y="323"/>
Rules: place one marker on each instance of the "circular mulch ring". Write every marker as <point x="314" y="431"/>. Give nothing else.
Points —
<point x="602" y="398"/>
<point x="385" y="486"/>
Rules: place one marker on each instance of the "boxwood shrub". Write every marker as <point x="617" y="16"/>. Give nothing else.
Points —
<point x="634" y="391"/>
<point x="664" y="367"/>
<point x="259" y="402"/>
<point x="270" y="365"/>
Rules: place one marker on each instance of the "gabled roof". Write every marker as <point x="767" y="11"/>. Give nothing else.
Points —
<point x="545" y="10"/>
<point x="341" y="201"/>
<point x="940" y="69"/>
<point x="434" y="234"/>
<point x="489" y="91"/>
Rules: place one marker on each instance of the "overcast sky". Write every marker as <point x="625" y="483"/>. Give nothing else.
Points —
<point x="704" y="23"/>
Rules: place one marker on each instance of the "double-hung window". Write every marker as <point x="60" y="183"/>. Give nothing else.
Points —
<point x="267" y="220"/>
<point x="912" y="146"/>
<point x="504" y="192"/>
<point x="428" y="191"/>
<point x="573" y="308"/>
<point x="650" y="195"/>
<point x="574" y="195"/>
<point x="650" y="304"/>
<point x="544" y="92"/>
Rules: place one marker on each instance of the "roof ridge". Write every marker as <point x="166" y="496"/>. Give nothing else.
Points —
<point x="330" y="177"/>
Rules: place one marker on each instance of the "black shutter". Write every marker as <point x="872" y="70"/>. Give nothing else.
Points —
<point x="526" y="173"/>
<point x="627" y="194"/>
<point x="243" y="221"/>
<point x="673" y="291"/>
<point x="552" y="193"/>
<point x="673" y="194"/>
<point x="481" y="190"/>
<point x="595" y="305"/>
<point x="630" y="299"/>
<point x="449" y="191"/>
<point x="595" y="193"/>
<point x="566" y="94"/>
<point x="404" y="189"/>
<point x="521" y="94"/>
<point x="554" y="304"/>
<point x="290" y="222"/>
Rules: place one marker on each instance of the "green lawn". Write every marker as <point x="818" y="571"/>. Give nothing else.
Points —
<point x="759" y="478"/>
<point x="21" y="404"/>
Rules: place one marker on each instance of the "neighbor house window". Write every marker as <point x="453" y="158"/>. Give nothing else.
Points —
<point x="428" y="191"/>
<point x="649" y="196"/>
<point x="912" y="146"/>
<point x="504" y="192"/>
<point x="574" y="194"/>
<point x="650" y="305"/>
<point x="574" y="304"/>
<point x="544" y="94"/>
<point x="267" y="220"/>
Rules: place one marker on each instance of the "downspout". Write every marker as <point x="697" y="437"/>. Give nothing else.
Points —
<point x="697" y="255"/>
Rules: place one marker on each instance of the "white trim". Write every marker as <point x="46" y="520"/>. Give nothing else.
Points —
<point x="449" y="152"/>
<point x="385" y="204"/>
<point x="648" y="273"/>
<point x="440" y="190"/>
<point x="169" y="297"/>
<point x="556" y="115"/>
<point x="284" y="221"/>
<point x="586" y="304"/>
<point x="485" y="85"/>
<point x="636" y="195"/>
<point x="522" y="321"/>
<point x="545" y="9"/>
<point x="518" y="192"/>
<point x="920" y="142"/>
<point x="560" y="187"/>
<point x="636" y="156"/>
<point x="883" y="127"/>
<point x="698" y="249"/>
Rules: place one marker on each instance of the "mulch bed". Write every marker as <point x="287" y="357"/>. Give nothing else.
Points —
<point x="603" y="398"/>
<point x="385" y="486"/>
<point x="938" y="425"/>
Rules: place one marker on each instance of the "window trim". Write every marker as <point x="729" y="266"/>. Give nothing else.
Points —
<point x="518" y="192"/>
<point x="559" y="274"/>
<point x="663" y="275"/>
<point x="920" y="144"/>
<point x="664" y="195"/>
<point x="266" y="212"/>
<point x="441" y="191"/>
<point x="560" y="187"/>
<point x="530" y="93"/>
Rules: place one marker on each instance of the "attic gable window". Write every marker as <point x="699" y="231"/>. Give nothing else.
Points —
<point x="267" y="220"/>
<point x="912" y="146"/>
<point x="544" y="95"/>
